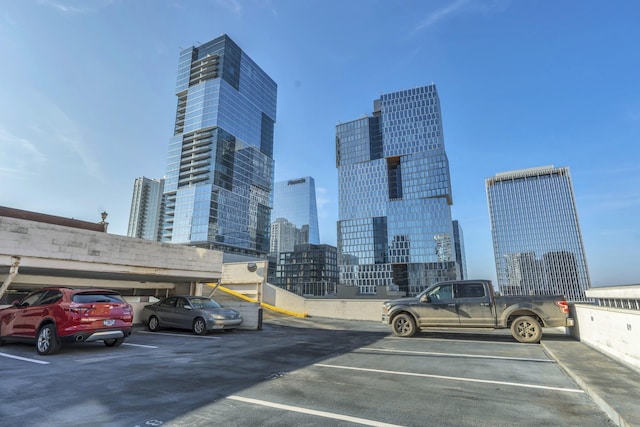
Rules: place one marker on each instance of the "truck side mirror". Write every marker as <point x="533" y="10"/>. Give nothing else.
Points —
<point x="425" y="298"/>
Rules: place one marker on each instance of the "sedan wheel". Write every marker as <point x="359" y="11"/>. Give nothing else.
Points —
<point x="154" y="324"/>
<point x="199" y="326"/>
<point x="47" y="341"/>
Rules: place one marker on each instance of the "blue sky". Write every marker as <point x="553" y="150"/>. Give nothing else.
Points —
<point x="87" y="99"/>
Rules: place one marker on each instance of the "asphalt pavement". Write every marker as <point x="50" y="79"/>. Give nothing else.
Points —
<point x="613" y="386"/>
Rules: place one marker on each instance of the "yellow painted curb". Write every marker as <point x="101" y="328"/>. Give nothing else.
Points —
<point x="262" y="304"/>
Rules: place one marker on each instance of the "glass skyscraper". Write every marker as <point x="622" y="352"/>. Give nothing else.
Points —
<point x="537" y="241"/>
<point x="394" y="225"/>
<point x="147" y="210"/>
<point x="219" y="176"/>
<point x="295" y="201"/>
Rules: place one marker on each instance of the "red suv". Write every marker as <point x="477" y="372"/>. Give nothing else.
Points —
<point x="51" y="316"/>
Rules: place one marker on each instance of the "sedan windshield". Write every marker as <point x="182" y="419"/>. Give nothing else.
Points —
<point x="203" y="303"/>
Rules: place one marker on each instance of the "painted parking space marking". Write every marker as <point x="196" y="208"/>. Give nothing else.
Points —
<point x="414" y="338"/>
<point x="444" y="377"/>
<point x="471" y="356"/>
<point x="24" y="359"/>
<point x="139" y="345"/>
<point x="300" y="410"/>
<point x="178" y="335"/>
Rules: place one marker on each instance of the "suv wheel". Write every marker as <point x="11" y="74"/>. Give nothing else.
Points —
<point x="115" y="342"/>
<point x="47" y="340"/>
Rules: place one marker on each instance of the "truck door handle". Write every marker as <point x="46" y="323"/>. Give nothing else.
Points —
<point x="484" y="304"/>
<point x="451" y="305"/>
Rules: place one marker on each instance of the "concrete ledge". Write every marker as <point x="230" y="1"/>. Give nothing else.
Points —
<point x="612" y="385"/>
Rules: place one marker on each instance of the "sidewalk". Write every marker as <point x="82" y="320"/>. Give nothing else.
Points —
<point x="612" y="385"/>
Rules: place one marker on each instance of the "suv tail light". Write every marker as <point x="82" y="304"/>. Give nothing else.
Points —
<point x="564" y="306"/>
<point x="80" y="308"/>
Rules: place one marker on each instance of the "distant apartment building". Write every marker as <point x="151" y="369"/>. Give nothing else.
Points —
<point x="394" y="221"/>
<point x="219" y="176"/>
<point x="458" y="241"/>
<point x="284" y="237"/>
<point x="147" y="209"/>
<point x="295" y="200"/>
<point x="308" y="270"/>
<point x="537" y="241"/>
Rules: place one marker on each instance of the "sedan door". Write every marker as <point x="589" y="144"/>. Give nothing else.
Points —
<point x="184" y="314"/>
<point x="438" y="307"/>
<point x="165" y="311"/>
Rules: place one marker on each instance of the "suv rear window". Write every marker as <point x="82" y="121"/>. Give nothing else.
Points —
<point x="96" y="297"/>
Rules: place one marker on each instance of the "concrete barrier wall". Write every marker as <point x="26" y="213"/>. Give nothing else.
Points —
<point x="351" y="309"/>
<point x="615" y="332"/>
<point x="347" y="309"/>
<point x="250" y="313"/>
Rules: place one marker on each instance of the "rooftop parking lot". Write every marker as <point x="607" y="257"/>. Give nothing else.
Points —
<point x="302" y="372"/>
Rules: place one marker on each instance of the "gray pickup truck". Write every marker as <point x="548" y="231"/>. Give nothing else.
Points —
<point x="472" y="304"/>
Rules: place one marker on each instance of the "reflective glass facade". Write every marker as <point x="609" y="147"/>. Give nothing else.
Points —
<point x="395" y="226"/>
<point x="219" y="177"/>
<point x="458" y="238"/>
<point x="295" y="201"/>
<point x="537" y="241"/>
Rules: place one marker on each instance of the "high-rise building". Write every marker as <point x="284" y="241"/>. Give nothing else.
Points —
<point x="458" y="240"/>
<point x="147" y="210"/>
<point x="295" y="200"/>
<point x="536" y="234"/>
<point x="394" y="225"/>
<point x="219" y="177"/>
<point x="284" y="237"/>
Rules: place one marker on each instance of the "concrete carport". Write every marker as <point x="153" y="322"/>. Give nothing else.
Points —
<point x="38" y="250"/>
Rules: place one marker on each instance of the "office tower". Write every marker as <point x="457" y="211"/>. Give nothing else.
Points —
<point x="461" y="259"/>
<point x="295" y="200"/>
<point x="219" y="178"/>
<point x="394" y="222"/>
<point x="308" y="270"/>
<point x="147" y="210"/>
<point x="536" y="234"/>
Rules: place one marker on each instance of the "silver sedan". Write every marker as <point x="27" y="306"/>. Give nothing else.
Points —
<point x="199" y="314"/>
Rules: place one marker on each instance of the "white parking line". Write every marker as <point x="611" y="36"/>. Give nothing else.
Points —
<point x="414" y="338"/>
<point x="324" y="414"/>
<point x="11" y="356"/>
<point x="442" y="377"/>
<point x="177" y="335"/>
<point x="139" y="345"/>
<point x="472" y="356"/>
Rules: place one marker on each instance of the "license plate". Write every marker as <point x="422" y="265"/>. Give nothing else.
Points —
<point x="109" y="322"/>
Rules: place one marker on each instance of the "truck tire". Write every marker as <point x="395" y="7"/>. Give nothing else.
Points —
<point x="403" y="325"/>
<point x="526" y="329"/>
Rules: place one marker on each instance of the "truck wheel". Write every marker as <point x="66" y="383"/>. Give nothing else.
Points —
<point x="403" y="325"/>
<point x="526" y="329"/>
